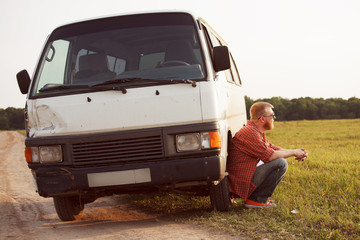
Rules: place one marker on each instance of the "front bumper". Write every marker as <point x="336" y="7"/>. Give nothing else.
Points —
<point x="52" y="181"/>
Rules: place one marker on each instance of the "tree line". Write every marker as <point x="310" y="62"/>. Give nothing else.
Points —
<point x="311" y="108"/>
<point x="285" y="110"/>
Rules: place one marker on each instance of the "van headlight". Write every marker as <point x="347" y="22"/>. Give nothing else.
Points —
<point x="44" y="154"/>
<point x="197" y="141"/>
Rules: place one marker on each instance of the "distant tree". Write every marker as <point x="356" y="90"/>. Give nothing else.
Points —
<point x="12" y="119"/>
<point x="15" y="118"/>
<point x="331" y="109"/>
<point x="248" y="103"/>
<point x="354" y="107"/>
<point x="296" y="110"/>
<point x="311" y="111"/>
<point x="281" y="106"/>
<point x="4" y="123"/>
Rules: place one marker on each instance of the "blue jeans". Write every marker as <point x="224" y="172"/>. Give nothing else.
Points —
<point x="266" y="178"/>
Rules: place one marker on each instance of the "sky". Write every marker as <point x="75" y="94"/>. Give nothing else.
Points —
<point x="282" y="48"/>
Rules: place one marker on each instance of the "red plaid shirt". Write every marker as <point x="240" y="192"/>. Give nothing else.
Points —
<point x="247" y="147"/>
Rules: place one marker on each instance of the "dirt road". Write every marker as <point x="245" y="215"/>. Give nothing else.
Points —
<point x="26" y="215"/>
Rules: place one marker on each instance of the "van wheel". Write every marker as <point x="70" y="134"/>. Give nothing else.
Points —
<point x="220" y="197"/>
<point x="68" y="208"/>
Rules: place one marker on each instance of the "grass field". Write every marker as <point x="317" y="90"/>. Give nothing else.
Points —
<point x="317" y="199"/>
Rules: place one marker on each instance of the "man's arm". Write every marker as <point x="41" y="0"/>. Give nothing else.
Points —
<point x="299" y="154"/>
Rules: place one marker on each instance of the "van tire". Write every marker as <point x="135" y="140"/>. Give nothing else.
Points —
<point x="220" y="197"/>
<point x="68" y="208"/>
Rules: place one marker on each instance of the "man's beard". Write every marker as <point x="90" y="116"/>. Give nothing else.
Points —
<point x="268" y="125"/>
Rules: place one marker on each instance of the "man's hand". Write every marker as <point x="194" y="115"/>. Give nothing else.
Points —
<point x="300" y="154"/>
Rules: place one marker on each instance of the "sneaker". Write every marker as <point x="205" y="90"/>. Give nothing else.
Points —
<point x="253" y="204"/>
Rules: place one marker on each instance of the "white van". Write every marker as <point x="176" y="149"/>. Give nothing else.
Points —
<point x="132" y="103"/>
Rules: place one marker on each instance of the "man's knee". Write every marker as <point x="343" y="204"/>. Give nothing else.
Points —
<point x="282" y="164"/>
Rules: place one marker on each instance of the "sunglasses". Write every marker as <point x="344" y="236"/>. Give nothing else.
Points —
<point x="272" y="116"/>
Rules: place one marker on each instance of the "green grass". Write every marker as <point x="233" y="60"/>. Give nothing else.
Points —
<point x="324" y="190"/>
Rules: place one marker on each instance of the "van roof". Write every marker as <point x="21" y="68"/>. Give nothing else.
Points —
<point x="131" y="13"/>
<point x="193" y="14"/>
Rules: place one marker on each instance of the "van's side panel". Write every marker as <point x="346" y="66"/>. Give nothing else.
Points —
<point x="223" y="102"/>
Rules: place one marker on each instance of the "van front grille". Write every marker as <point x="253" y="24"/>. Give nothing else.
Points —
<point x="114" y="151"/>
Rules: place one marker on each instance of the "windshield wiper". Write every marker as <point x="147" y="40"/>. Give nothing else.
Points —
<point x="66" y="87"/>
<point x="109" y="82"/>
<point x="62" y="87"/>
<point x="136" y="79"/>
<point x="187" y="81"/>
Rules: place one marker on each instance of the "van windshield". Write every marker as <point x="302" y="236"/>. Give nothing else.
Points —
<point x="163" y="46"/>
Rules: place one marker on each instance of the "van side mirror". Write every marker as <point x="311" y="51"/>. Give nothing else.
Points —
<point x="23" y="80"/>
<point x="221" y="58"/>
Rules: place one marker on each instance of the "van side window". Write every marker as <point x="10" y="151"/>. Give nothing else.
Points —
<point x="215" y="41"/>
<point x="232" y="74"/>
<point x="208" y="40"/>
<point x="229" y="75"/>
<point x="234" y="71"/>
<point x="53" y="67"/>
<point x="211" y="39"/>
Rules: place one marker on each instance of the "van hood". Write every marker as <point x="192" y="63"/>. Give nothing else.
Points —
<point x="93" y="112"/>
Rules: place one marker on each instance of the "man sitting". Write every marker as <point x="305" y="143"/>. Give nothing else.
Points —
<point x="256" y="166"/>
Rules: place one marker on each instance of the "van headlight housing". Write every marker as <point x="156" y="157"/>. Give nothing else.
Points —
<point x="44" y="154"/>
<point x="197" y="141"/>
